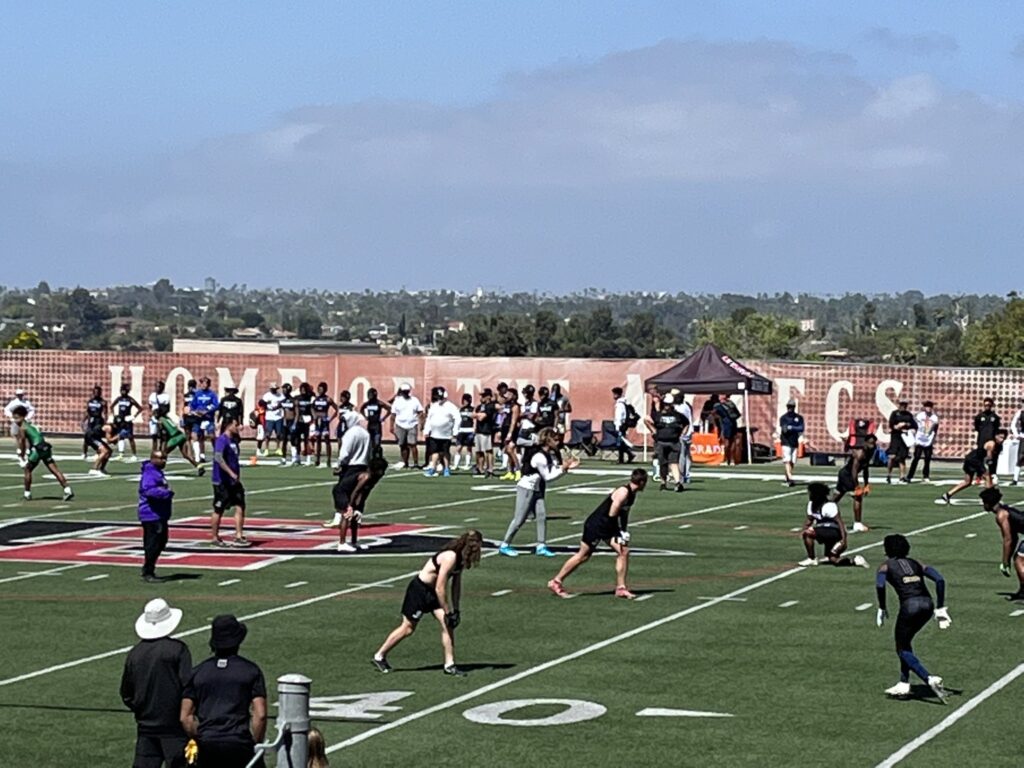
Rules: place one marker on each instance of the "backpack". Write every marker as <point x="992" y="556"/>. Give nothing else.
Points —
<point x="731" y="410"/>
<point x="632" y="417"/>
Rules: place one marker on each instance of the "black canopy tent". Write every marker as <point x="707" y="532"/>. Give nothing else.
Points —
<point x="710" y="371"/>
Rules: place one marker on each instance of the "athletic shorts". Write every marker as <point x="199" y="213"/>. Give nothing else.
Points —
<point x="300" y="433"/>
<point x="202" y="427"/>
<point x="154" y="427"/>
<point x="1020" y="549"/>
<point x="728" y="427"/>
<point x="828" y="536"/>
<point x="898" y="450"/>
<point x="667" y="453"/>
<point x="342" y="491"/>
<point x="321" y="427"/>
<point x="176" y="440"/>
<point x="974" y="468"/>
<point x="96" y="442"/>
<point x="483" y="443"/>
<point x="420" y="599"/>
<point x="436" y="445"/>
<point x="39" y="454"/>
<point x="376" y="436"/>
<point x="465" y="439"/>
<point x="596" y="530"/>
<point x="126" y="429"/>
<point x="846" y="482"/>
<point x="274" y="428"/>
<point x="228" y="496"/>
<point x="406" y="435"/>
<point x="790" y="453"/>
<point x="15" y="429"/>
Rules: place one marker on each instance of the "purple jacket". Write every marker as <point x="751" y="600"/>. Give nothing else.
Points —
<point x="154" y="495"/>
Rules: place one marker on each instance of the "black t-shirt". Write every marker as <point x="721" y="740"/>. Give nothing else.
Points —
<point x="466" y="421"/>
<point x="123" y="408"/>
<point x="94" y="409"/>
<point x="372" y="410"/>
<point x="547" y="412"/>
<point x="907" y="577"/>
<point x="486" y="425"/>
<point x="985" y="424"/>
<point x="230" y="408"/>
<point x="223" y="690"/>
<point x="669" y="426"/>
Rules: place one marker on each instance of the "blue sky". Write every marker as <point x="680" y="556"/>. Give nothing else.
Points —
<point x="527" y="145"/>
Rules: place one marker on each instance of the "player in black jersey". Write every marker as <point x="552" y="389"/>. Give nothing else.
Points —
<point x="125" y="408"/>
<point x="95" y="418"/>
<point x="610" y="523"/>
<point x="510" y="433"/>
<point x="230" y="408"/>
<point x="979" y="463"/>
<point x="289" y="420"/>
<point x="303" y="422"/>
<point x="824" y="525"/>
<point x="906" y="576"/>
<point x="857" y="465"/>
<point x="376" y="412"/>
<point x="1011" y="525"/>
<point x="324" y="411"/>
<point x="465" y="433"/>
<point x="428" y="593"/>
<point x="485" y="417"/>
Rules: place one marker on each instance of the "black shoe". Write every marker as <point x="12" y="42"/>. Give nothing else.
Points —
<point x="680" y="487"/>
<point x="200" y="470"/>
<point x="381" y="665"/>
<point x="791" y="483"/>
<point x="152" y="578"/>
<point x="1018" y="595"/>
<point x="946" y="498"/>
<point x="663" y="486"/>
<point x="455" y="671"/>
<point x="1013" y="482"/>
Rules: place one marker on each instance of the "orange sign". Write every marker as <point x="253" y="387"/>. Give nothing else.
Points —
<point x="705" y="448"/>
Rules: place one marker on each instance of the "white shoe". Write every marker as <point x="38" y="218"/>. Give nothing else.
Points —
<point x="346" y="548"/>
<point x="85" y="457"/>
<point x="935" y="683"/>
<point x="97" y="473"/>
<point x="809" y="561"/>
<point x="68" y="493"/>
<point x="28" y="495"/>
<point x="398" y="465"/>
<point x="284" y="462"/>
<point x="859" y="528"/>
<point x="900" y="690"/>
<point x="860" y="562"/>
<point x="334" y="522"/>
<point x="22" y="462"/>
<point x="309" y="462"/>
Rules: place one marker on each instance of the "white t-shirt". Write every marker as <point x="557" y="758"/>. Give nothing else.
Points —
<point x="406" y="411"/>
<point x="926" y="426"/>
<point x="159" y="402"/>
<point x="540" y="463"/>
<point x="686" y="410"/>
<point x="826" y="516"/>
<point x="9" y="408"/>
<point x="355" y="447"/>
<point x="442" y="420"/>
<point x="273" y="401"/>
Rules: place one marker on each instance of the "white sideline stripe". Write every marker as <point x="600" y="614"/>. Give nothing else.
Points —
<point x="501" y="592"/>
<point x="863" y="606"/>
<point x="952" y="717"/>
<point x="228" y="582"/>
<point x="295" y="584"/>
<point x="684" y="526"/>
<point x="1018" y="612"/>
<point x="970" y="536"/>
<point x="249" y="617"/>
<point x="640" y="599"/>
<point x="741" y="527"/>
<point x="97" y="577"/>
<point x="50" y="572"/>
<point x="544" y="666"/>
<point x="724" y="599"/>
<point x="788" y="604"/>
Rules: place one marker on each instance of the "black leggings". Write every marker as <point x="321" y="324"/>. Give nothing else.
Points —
<point x="913" y="616"/>
<point x="154" y="539"/>
<point x="919" y="451"/>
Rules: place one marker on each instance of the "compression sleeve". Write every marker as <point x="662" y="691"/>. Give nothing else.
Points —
<point x="880" y="588"/>
<point x="540" y="463"/>
<point x="940" y="585"/>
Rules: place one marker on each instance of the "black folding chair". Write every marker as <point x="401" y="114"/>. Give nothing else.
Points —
<point x="609" y="439"/>
<point x="581" y="438"/>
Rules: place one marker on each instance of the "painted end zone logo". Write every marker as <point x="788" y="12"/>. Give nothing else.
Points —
<point x="274" y="541"/>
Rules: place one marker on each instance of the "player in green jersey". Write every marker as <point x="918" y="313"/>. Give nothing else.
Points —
<point x="38" y="451"/>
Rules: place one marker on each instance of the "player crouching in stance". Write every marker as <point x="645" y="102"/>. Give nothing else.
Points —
<point x="1011" y="525"/>
<point x="350" y="496"/>
<point x="428" y="593"/>
<point x="907" y="576"/>
<point x="609" y="522"/>
<point x="38" y="452"/>
<point x="825" y="526"/>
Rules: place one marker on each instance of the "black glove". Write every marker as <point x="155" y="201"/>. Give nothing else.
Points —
<point x="452" y="619"/>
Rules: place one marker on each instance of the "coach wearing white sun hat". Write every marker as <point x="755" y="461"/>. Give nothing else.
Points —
<point x="155" y="674"/>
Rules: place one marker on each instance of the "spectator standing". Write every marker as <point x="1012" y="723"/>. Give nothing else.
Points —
<point x="405" y="422"/>
<point x="155" y="673"/>
<point x="902" y="434"/>
<point x="728" y="427"/>
<point x="159" y="408"/>
<point x="439" y="427"/>
<point x="622" y="418"/>
<point x="1016" y="431"/>
<point x="203" y="408"/>
<point x="19" y="399"/>
<point x="791" y="429"/>
<point x="274" y="419"/>
<point x="485" y="417"/>
<point x="155" y="501"/>
<point x="684" y="409"/>
<point x="924" y="440"/>
<point x="987" y="422"/>
<point x="563" y="421"/>
<point x="228" y="491"/>
<point x="224" y="704"/>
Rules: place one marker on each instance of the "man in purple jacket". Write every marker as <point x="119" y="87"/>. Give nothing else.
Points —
<point x="154" y="511"/>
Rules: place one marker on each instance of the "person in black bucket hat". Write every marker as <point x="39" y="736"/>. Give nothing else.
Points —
<point x="224" y="704"/>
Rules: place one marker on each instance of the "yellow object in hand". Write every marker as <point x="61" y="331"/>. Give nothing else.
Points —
<point x="191" y="752"/>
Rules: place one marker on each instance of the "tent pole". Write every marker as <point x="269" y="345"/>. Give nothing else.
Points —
<point x="646" y="411"/>
<point x="746" y="418"/>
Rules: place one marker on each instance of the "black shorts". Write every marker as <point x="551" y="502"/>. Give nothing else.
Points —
<point x="974" y="468"/>
<point x="596" y="530"/>
<point x="667" y="453"/>
<point x="898" y="450"/>
<point x="96" y="441"/>
<point x="346" y="484"/>
<point x="913" y="616"/>
<point x="435" y="445"/>
<point x="156" y="751"/>
<point x="228" y="497"/>
<point x="419" y="599"/>
<point x="845" y="482"/>
<point x="828" y="536"/>
<point x="300" y="433"/>
<point x="465" y="439"/>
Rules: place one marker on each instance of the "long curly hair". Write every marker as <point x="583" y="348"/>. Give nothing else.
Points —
<point x="469" y="547"/>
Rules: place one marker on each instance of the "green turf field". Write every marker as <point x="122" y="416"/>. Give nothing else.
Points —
<point x="727" y="625"/>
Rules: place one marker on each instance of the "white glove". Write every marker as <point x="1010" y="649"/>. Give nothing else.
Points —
<point x="624" y="537"/>
<point x="204" y="424"/>
<point x="881" y="616"/>
<point x="942" y="616"/>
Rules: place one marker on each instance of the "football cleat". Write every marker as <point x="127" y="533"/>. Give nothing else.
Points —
<point x="807" y="562"/>
<point x="935" y="683"/>
<point x="68" y="493"/>
<point x="899" y="690"/>
<point x="381" y="664"/>
<point x="543" y="551"/>
<point x="334" y="522"/>
<point x="860" y="562"/>
<point x="454" y="671"/>
<point x="624" y="593"/>
<point x="27" y="495"/>
<point x="346" y="547"/>
<point x="507" y="551"/>
<point x="859" y="528"/>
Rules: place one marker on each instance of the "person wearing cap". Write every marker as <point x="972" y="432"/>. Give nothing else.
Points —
<point x="274" y="419"/>
<point x="439" y="426"/>
<point x="924" y="440"/>
<point x="902" y="434"/>
<point x="19" y="399"/>
<point x="155" y="500"/>
<point x="485" y="417"/>
<point x="354" y="453"/>
<point x="224" y="703"/>
<point x="406" y="413"/>
<point x="791" y="430"/>
<point x="231" y="407"/>
<point x="155" y="673"/>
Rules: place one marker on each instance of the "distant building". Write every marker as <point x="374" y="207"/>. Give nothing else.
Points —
<point x="807" y="325"/>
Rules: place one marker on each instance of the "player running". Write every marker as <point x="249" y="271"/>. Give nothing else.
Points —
<point x="95" y="418"/>
<point x="610" y="523"/>
<point x="979" y="463"/>
<point x="857" y="464"/>
<point x="428" y="593"/>
<point x="38" y="451"/>
<point x="1011" y="525"/>
<point x="173" y="438"/>
<point x="825" y="526"/>
<point x="907" y="576"/>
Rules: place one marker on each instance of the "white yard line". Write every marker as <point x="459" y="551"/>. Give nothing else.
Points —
<point x="501" y="592"/>
<point x="483" y="690"/>
<point x="50" y="572"/>
<point x="97" y="577"/>
<point x="952" y="717"/>
<point x="295" y="584"/>
<point x="228" y="582"/>
<point x="863" y="606"/>
<point x="788" y="604"/>
<point x="640" y="599"/>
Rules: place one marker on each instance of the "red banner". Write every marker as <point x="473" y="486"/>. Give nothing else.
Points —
<point x="59" y="383"/>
